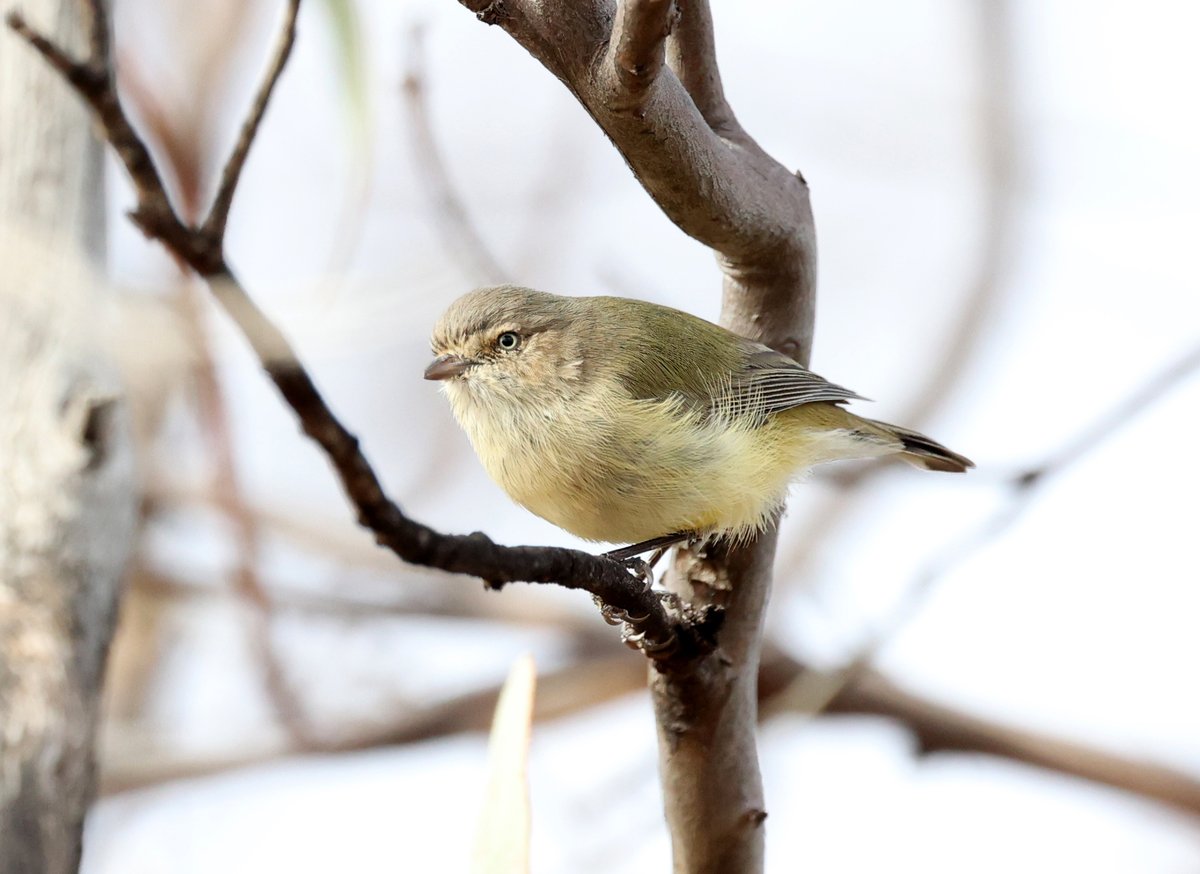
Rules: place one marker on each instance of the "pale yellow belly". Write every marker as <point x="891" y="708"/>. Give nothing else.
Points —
<point x="642" y="469"/>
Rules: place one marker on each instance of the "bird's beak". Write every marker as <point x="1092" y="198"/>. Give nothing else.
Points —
<point x="446" y="366"/>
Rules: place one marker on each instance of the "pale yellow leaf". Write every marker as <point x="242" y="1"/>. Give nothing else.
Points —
<point x="502" y="842"/>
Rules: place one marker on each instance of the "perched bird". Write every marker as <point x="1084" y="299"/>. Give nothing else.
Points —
<point x="625" y="421"/>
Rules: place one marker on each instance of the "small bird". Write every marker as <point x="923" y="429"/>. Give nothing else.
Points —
<point x="625" y="421"/>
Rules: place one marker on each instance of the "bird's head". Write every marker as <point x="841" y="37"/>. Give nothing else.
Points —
<point x="508" y="344"/>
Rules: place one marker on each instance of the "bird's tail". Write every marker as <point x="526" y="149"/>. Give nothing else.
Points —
<point x="921" y="451"/>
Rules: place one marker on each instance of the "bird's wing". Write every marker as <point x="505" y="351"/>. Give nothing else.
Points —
<point x="712" y="374"/>
<point x="769" y="382"/>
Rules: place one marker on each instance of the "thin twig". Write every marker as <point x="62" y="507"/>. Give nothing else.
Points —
<point x="214" y="225"/>
<point x="672" y="634"/>
<point x="98" y="35"/>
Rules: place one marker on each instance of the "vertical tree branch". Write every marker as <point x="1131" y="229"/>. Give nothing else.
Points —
<point x="692" y="56"/>
<point x="637" y="50"/>
<point x="678" y="135"/>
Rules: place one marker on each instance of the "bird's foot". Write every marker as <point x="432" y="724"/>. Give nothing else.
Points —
<point x="640" y="571"/>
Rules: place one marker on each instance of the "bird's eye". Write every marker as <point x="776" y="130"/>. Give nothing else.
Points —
<point x="509" y="340"/>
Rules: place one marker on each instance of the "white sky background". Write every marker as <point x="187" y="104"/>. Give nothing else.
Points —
<point x="1080" y="620"/>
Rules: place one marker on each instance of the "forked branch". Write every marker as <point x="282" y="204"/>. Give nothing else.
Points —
<point x="655" y="90"/>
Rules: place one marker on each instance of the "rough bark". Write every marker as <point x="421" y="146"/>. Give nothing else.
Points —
<point x="67" y="505"/>
<point x="646" y="71"/>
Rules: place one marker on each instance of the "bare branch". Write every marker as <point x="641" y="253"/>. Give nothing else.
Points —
<point x="214" y="225"/>
<point x="692" y="55"/>
<point x="637" y="49"/>
<point x="97" y="24"/>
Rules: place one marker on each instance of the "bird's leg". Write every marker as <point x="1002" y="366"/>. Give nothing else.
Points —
<point x="629" y="556"/>
<point x="656" y="556"/>
<point x="627" y="552"/>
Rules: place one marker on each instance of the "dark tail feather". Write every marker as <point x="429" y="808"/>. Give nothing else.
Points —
<point x="920" y="451"/>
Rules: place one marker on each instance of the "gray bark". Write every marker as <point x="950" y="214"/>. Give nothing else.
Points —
<point x="67" y="494"/>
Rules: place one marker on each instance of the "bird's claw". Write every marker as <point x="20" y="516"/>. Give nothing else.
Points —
<point x="640" y="569"/>
<point x="656" y="650"/>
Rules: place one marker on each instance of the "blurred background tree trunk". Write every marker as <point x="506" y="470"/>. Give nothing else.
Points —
<point x="67" y="490"/>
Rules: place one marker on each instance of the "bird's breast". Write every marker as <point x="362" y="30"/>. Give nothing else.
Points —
<point x="576" y="462"/>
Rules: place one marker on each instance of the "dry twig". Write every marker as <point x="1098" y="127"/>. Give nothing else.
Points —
<point x="673" y="635"/>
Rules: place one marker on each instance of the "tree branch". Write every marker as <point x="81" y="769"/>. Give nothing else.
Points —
<point x="692" y="56"/>
<point x="637" y="49"/>
<point x="674" y="129"/>
<point x="214" y="225"/>
<point x="670" y="633"/>
<point x="739" y="201"/>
